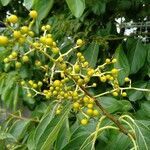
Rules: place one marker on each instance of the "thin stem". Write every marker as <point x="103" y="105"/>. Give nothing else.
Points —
<point x="69" y="51"/>
<point x="134" y="88"/>
<point x="105" y="93"/>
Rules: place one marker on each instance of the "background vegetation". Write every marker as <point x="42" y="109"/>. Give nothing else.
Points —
<point x="101" y="24"/>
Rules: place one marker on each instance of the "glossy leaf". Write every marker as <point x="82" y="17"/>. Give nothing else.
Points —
<point x="63" y="136"/>
<point x="76" y="6"/>
<point x="5" y="2"/>
<point x="42" y="7"/>
<point x="136" y="53"/>
<point x="109" y="103"/>
<point x="19" y="128"/>
<point x="49" y="128"/>
<point x="122" y="64"/>
<point x="91" y="54"/>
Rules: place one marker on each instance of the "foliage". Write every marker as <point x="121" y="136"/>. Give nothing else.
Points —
<point x="102" y="92"/>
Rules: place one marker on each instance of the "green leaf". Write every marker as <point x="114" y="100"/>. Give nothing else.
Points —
<point x="99" y="7"/>
<point x="145" y="107"/>
<point x="19" y="128"/>
<point x="136" y="52"/>
<point x="80" y="135"/>
<point x="28" y="4"/>
<point x="63" y="136"/>
<point x="49" y="128"/>
<point x="5" y="135"/>
<point x="122" y="63"/>
<point x="135" y="95"/>
<point x="42" y="7"/>
<point x="77" y="7"/>
<point x="91" y="54"/>
<point x="120" y="142"/>
<point x="111" y="104"/>
<point x="142" y="134"/>
<point x="5" y="2"/>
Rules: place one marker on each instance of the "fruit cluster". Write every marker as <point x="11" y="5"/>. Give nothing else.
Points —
<point x="63" y="81"/>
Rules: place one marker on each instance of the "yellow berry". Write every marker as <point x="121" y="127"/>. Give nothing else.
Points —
<point x="91" y="101"/>
<point x="85" y="64"/>
<point x="18" y="65"/>
<point x="111" y="78"/>
<point x="24" y="29"/>
<point x="17" y="34"/>
<point x="56" y="83"/>
<point x="25" y="59"/>
<point x="22" y="83"/>
<point x="43" y="28"/>
<point x="43" y="40"/>
<point x="114" y="60"/>
<point x="95" y="112"/>
<point x="55" y="50"/>
<point x="34" y="85"/>
<point x="6" y="60"/>
<point x="49" y="41"/>
<point x="90" y="72"/>
<point x="58" y="111"/>
<point x="29" y="95"/>
<point x="124" y="94"/>
<point x="33" y="14"/>
<point x="38" y="63"/>
<point x="107" y="61"/>
<point x="76" y="105"/>
<point x="77" y="68"/>
<point x="84" y="121"/>
<point x="90" y="105"/>
<point x="89" y="112"/>
<point x="21" y="40"/>
<point x="40" y="83"/>
<point x="79" y="54"/>
<point x="47" y="27"/>
<point x="30" y="82"/>
<point x="114" y="71"/>
<point x="12" y="19"/>
<point x="55" y="93"/>
<point x="126" y="79"/>
<point x="86" y="79"/>
<point x="108" y="76"/>
<point x="31" y="33"/>
<point x="10" y="57"/>
<point x="79" y="42"/>
<point x="14" y="54"/>
<point x="103" y="79"/>
<point x="48" y="95"/>
<point x="80" y="81"/>
<point x="85" y="99"/>
<point x="115" y="94"/>
<point x="3" y="40"/>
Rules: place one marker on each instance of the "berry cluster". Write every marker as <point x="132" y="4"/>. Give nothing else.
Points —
<point x="63" y="81"/>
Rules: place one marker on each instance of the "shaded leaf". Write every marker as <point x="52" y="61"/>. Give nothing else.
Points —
<point x="5" y="2"/>
<point x="76" y="6"/>
<point x="122" y="63"/>
<point x="48" y="129"/>
<point x="136" y="54"/>
<point x="91" y="54"/>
